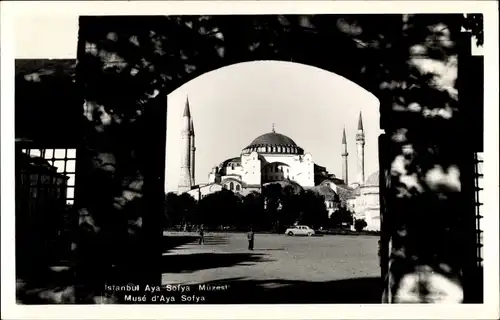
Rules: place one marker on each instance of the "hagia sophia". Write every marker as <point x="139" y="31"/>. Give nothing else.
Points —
<point x="275" y="158"/>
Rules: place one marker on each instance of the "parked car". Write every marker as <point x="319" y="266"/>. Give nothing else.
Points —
<point x="299" y="231"/>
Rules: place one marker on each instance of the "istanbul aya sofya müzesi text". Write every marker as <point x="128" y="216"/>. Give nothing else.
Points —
<point x="165" y="294"/>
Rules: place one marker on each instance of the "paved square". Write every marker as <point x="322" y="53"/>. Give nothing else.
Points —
<point x="281" y="269"/>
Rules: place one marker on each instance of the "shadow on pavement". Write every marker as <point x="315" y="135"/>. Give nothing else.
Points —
<point x="46" y="286"/>
<point x="180" y="263"/>
<point x="240" y="291"/>
<point x="215" y="240"/>
<point x="172" y="242"/>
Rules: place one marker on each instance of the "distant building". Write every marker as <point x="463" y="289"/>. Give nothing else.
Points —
<point x="40" y="208"/>
<point x="275" y="158"/>
<point x="365" y="202"/>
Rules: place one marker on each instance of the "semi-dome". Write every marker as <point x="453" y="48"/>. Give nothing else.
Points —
<point x="373" y="179"/>
<point x="232" y="161"/>
<point x="326" y="191"/>
<point x="273" y="142"/>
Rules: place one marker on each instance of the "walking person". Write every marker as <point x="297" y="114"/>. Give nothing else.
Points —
<point x="201" y="232"/>
<point x="250" y="237"/>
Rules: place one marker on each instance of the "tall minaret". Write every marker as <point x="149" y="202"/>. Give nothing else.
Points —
<point x="192" y="150"/>
<point x="185" y="181"/>
<point x="360" y="148"/>
<point x="344" y="155"/>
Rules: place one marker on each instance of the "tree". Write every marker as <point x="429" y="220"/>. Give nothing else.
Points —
<point x="290" y="200"/>
<point x="341" y="216"/>
<point x="313" y="209"/>
<point x="222" y="208"/>
<point x="179" y="209"/>
<point x="360" y="224"/>
<point x="188" y="206"/>
<point x="172" y="213"/>
<point x="272" y="194"/>
<point x="253" y="212"/>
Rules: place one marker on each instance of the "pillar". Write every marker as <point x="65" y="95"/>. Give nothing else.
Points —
<point x="121" y="172"/>
<point x="425" y="191"/>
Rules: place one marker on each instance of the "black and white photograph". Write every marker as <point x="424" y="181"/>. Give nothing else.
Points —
<point x="268" y="158"/>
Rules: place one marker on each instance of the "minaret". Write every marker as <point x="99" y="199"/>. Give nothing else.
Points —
<point x="185" y="181"/>
<point x="360" y="148"/>
<point x="192" y="150"/>
<point x="344" y="155"/>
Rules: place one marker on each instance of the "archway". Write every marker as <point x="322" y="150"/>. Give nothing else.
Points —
<point x="255" y="104"/>
<point x="128" y="65"/>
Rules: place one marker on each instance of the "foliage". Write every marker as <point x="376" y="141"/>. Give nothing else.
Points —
<point x="253" y="212"/>
<point x="313" y="209"/>
<point x="360" y="224"/>
<point x="222" y="208"/>
<point x="340" y="217"/>
<point x="179" y="209"/>
<point x="474" y="24"/>
<point x="284" y="207"/>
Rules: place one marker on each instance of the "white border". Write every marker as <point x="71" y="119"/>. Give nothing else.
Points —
<point x="490" y="309"/>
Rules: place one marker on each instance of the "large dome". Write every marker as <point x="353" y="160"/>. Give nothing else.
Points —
<point x="273" y="139"/>
<point x="273" y="142"/>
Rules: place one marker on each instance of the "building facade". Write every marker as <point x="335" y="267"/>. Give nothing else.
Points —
<point x="365" y="202"/>
<point x="275" y="158"/>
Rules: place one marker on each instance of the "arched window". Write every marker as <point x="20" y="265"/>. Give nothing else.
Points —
<point x="231" y="186"/>
<point x="237" y="187"/>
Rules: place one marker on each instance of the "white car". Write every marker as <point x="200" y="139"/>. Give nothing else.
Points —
<point x="299" y="231"/>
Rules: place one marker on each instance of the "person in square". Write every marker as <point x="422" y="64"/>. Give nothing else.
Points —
<point x="201" y="232"/>
<point x="250" y="237"/>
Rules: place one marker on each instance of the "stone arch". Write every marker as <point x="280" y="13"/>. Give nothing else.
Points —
<point x="405" y="102"/>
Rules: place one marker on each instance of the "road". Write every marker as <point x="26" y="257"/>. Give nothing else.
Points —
<point x="281" y="269"/>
